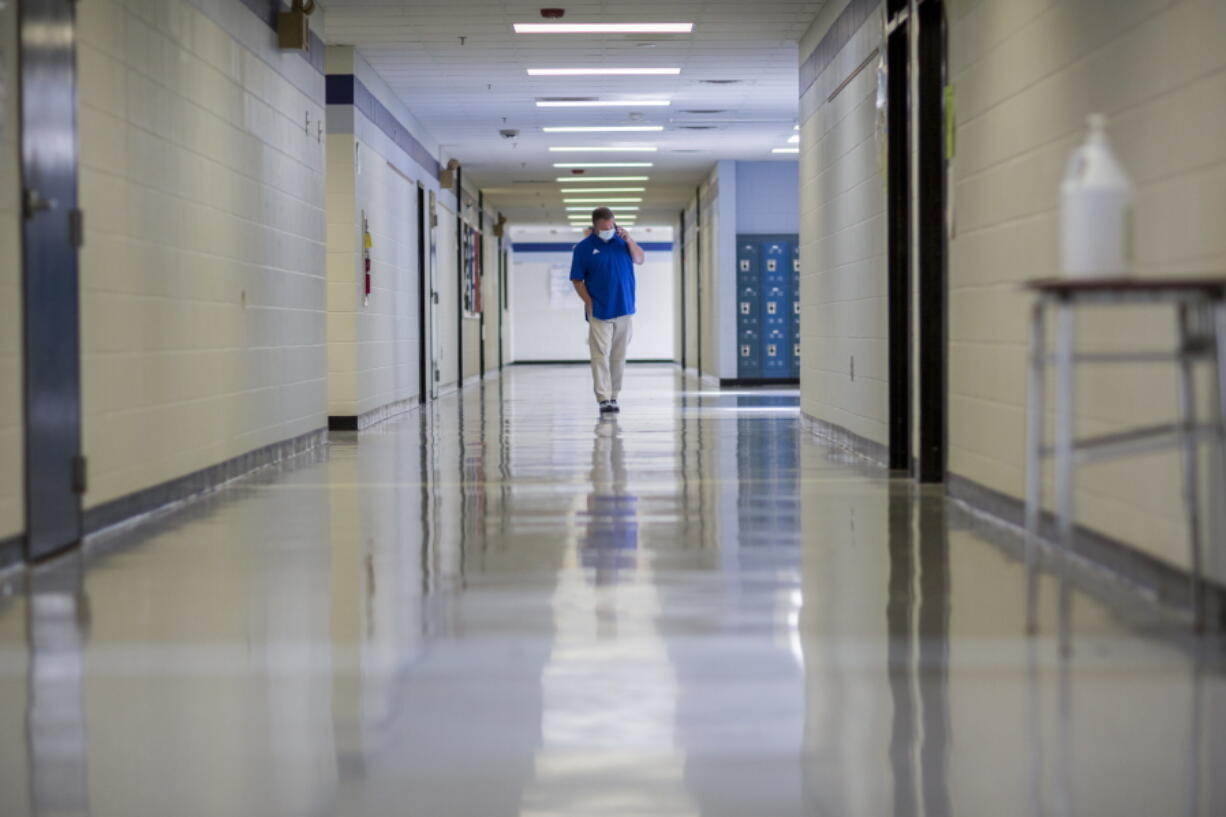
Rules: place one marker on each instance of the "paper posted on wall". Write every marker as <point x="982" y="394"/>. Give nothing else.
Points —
<point x="561" y="292"/>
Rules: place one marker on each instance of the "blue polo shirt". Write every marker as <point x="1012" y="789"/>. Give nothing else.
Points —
<point x="608" y="271"/>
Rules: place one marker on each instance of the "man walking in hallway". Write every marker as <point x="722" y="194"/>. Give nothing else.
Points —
<point x="602" y="272"/>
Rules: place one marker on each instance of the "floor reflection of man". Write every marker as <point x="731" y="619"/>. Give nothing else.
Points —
<point x="611" y="531"/>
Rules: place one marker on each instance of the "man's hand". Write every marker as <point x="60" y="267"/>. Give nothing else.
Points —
<point x="636" y="252"/>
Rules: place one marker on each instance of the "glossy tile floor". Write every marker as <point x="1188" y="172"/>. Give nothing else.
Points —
<point x="505" y="606"/>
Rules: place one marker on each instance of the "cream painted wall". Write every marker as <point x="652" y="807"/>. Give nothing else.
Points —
<point x="1027" y="74"/>
<point x="842" y="251"/>
<point x="343" y="298"/>
<point x="12" y="449"/>
<point x="203" y="267"/>
<point x="690" y="284"/>
<point x="708" y="221"/>
<point x="491" y="293"/>
<point x="447" y="296"/>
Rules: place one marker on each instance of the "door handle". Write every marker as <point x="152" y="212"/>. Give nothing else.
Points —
<point x="35" y="203"/>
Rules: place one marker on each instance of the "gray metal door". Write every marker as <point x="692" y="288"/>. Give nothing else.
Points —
<point x="50" y="236"/>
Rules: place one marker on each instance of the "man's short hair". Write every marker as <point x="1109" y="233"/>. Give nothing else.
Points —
<point x="601" y="214"/>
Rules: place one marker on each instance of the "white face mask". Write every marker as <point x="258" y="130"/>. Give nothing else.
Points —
<point x="606" y="235"/>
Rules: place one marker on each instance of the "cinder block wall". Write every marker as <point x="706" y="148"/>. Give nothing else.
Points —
<point x="12" y="495"/>
<point x="202" y="181"/>
<point x="843" y="243"/>
<point x="1025" y="75"/>
<point x="373" y="347"/>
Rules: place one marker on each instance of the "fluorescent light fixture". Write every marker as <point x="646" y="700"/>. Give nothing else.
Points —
<point x="602" y="149"/>
<point x="593" y="200"/>
<point x="603" y="189"/>
<point x="604" y="164"/>
<point x="603" y="28"/>
<point x="786" y="150"/>
<point x="603" y="179"/>
<point x="794" y="139"/>
<point x="605" y="129"/>
<point x="603" y="72"/>
<point x="603" y="103"/>
<point x="625" y="208"/>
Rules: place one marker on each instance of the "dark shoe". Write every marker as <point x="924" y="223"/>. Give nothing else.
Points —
<point x="607" y="407"/>
<point x="616" y="408"/>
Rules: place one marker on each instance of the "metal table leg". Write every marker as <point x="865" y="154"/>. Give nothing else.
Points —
<point x="1065" y="398"/>
<point x="1066" y="383"/>
<point x="1035" y="406"/>
<point x="1191" y="466"/>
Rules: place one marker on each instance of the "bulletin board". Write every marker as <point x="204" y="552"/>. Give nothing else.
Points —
<point x="472" y="271"/>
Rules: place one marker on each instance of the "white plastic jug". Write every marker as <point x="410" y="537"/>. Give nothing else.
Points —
<point x="1096" y="210"/>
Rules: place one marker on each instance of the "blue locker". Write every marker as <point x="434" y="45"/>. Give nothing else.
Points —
<point x="777" y="356"/>
<point x="796" y="309"/>
<point x="749" y="310"/>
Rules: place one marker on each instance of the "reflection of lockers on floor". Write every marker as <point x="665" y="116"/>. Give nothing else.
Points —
<point x="768" y="307"/>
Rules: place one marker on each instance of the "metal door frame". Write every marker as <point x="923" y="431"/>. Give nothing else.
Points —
<point x="50" y="237"/>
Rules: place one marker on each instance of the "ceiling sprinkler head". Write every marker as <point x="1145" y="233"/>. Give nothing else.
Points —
<point x="553" y="14"/>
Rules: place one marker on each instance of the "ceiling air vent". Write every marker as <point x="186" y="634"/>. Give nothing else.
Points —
<point x="566" y="98"/>
<point x="720" y="81"/>
<point x="706" y="111"/>
<point x="698" y="127"/>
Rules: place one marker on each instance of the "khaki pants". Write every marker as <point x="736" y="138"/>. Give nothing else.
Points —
<point x="608" y="341"/>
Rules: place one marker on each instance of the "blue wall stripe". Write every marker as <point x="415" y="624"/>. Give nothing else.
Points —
<point x="267" y="10"/>
<point x="346" y="89"/>
<point x="564" y="246"/>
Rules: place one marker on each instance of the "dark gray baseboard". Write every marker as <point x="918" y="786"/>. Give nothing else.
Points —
<point x="1168" y="584"/>
<point x="12" y="550"/>
<point x="1126" y="565"/>
<point x="740" y="382"/>
<point x="200" y="482"/>
<point x="871" y="450"/>
<point x="361" y="422"/>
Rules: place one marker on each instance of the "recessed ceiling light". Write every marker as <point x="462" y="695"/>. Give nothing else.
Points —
<point x="622" y="208"/>
<point x="786" y="150"/>
<point x="603" y="72"/>
<point x="603" y="28"/>
<point x="603" y="129"/>
<point x="603" y="189"/>
<point x="602" y="179"/>
<point x="603" y="149"/>
<point x="794" y="139"/>
<point x="602" y="103"/>
<point x="587" y="200"/>
<point x="604" y="164"/>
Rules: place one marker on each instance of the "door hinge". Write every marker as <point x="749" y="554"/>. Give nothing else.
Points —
<point x="76" y="227"/>
<point x="80" y="475"/>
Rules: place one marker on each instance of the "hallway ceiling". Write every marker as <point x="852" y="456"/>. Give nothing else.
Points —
<point x="467" y="92"/>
